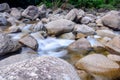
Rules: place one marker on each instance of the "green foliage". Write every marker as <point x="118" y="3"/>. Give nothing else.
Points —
<point x="108" y="4"/>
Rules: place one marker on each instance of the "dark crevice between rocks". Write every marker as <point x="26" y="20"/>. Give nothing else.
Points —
<point x="10" y="54"/>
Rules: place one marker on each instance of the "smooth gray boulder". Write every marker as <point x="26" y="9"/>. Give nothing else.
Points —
<point x="41" y="68"/>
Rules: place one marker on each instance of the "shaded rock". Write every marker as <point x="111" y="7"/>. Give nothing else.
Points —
<point x="84" y="75"/>
<point x="71" y="15"/>
<point x="13" y="21"/>
<point x="4" y="7"/>
<point x="42" y="11"/>
<point x="99" y="66"/>
<point x="112" y="20"/>
<point x="16" y="13"/>
<point x="106" y="33"/>
<point x="68" y="36"/>
<point x="26" y="54"/>
<point x="29" y="41"/>
<point x="80" y="13"/>
<point x="84" y="29"/>
<point x="82" y="45"/>
<point x="41" y="68"/>
<point x="59" y="26"/>
<point x="31" y="12"/>
<point x="80" y="35"/>
<point x="113" y="46"/>
<point x="3" y="21"/>
<point x="13" y="29"/>
<point x="7" y="44"/>
<point x="86" y="20"/>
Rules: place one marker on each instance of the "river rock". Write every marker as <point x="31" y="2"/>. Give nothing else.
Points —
<point x="86" y="20"/>
<point x="26" y="54"/>
<point x="81" y="45"/>
<point x="42" y="11"/>
<point x="99" y="66"/>
<point x="4" y="7"/>
<point x="84" y="75"/>
<point x="59" y="26"/>
<point x="68" y="36"/>
<point x="3" y="21"/>
<point x="41" y="68"/>
<point x="112" y="20"/>
<point x="31" y="12"/>
<point x="113" y="46"/>
<point x="29" y="41"/>
<point x="7" y="44"/>
<point x="106" y="33"/>
<point x="84" y="29"/>
<point x="71" y="15"/>
<point x="114" y="57"/>
<point x="16" y="13"/>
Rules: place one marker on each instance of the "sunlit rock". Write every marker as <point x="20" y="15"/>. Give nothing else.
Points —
<point x="29" y="41"/>
<point x="81" y="45"/>
<point x="113" y="46"/>
<point x="59" y="26"/>
<point x="99" y="66"/>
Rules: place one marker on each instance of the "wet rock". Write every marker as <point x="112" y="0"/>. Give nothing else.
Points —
<point x="84" y="75"/>
<point x="106" y="33"/>
<point x="82" y="45"/>
<point x="112" y="20"/>
<point x="96" y="45"/>
<point x="80" y="35"/>
<point x="3" y="21"/>
<point x="16" y="13"/>
<point x="4" y="7"/>
<point x="41" y="68"/>
<point x="31" y="12"/>
<point x="26" y="54"/>
<point x="71" y="15"/>
<point x="68" y="36"/>
<point x="7" y="44"/>
<point x="99" y="66"/>
<point x="113" y="46"/>
<point x="84" y="29"/>
<point x="59" y="26"/>
<point x="29" y="41"/>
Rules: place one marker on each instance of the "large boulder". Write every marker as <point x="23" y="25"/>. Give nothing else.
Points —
<point x="112" y="20"/>
<point x="32" y="12"/>
<point x="59" y="26"/>
<point x="41" y="68"/>
<point x="99" y="66"/>
<point x="7" y="44"/>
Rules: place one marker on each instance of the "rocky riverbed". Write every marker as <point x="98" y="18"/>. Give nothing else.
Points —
<point x="38" y="43"/>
